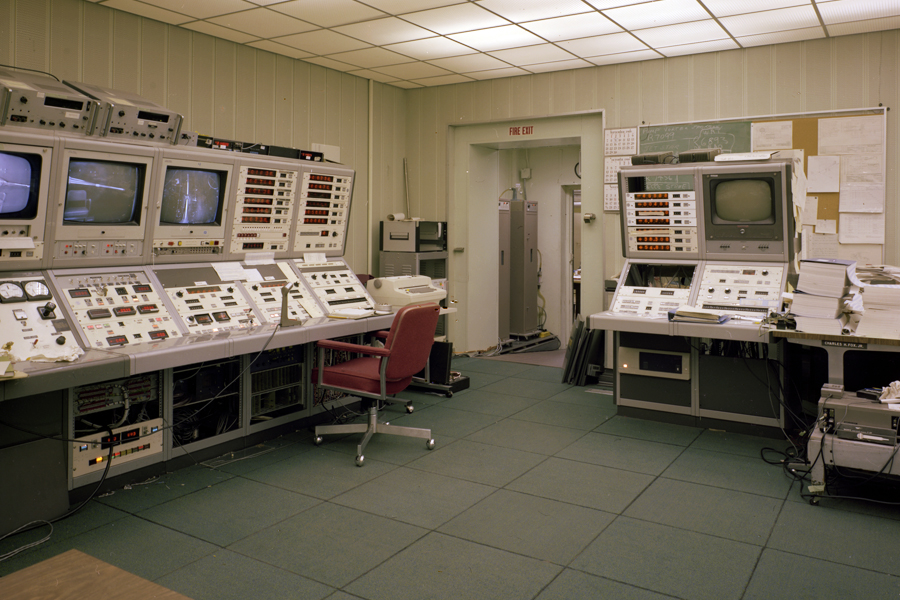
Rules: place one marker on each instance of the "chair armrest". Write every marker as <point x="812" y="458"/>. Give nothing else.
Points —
<point x="346" y="347"/>
<point x="382" y="334"/>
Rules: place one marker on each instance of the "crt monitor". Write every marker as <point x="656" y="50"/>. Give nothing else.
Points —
<point x="25" y="167"/>
<point x="192" y="196"/>
<point x="20" y="174"/>
<point x="103" y="192"/>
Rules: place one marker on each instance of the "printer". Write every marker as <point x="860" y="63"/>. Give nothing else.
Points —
<point x="404" y="290"/>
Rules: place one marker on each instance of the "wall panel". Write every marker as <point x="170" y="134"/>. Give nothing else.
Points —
<point x="284" y="101"/>
<point x="653" y="102"/>
<point x="245" y="94"/>
<point x="788" y="77"/>
<point x="818" y="92"/>
<point x="203" y="53"/>
<point x="758" y="78"/>
<point x="678" y="88"/>
<point x="731" y="84"/>
<point x="224" y="86"/>
<point x="850" y="58"/>
<point x="97" y="42"/>
<point x="178" y="74"/>
<point x="126" y="55"/>
<point x="32" y="42"/>
<point x="66" y="27"/>
<point x="154" y="58"/>
<point x="265" y="98"/>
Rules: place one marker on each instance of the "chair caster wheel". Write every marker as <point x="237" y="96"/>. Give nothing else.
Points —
<point x="409" y="408"/>
<point x="318" y="441"/>
<point x="449" y="394"/>
<point x="430" y="444"/>
<point x="360" y="460"/>
<point x="814" y="501"/>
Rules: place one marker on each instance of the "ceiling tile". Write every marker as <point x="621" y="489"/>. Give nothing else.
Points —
<point x="796" y="17"/>
<point x="624" y="57"/>
<point x="727" y="8"/>
<point x="497" y="38"/>
<point x="471" y="62"/>
<point x="329" y="13"/>
<point x="497" y="73"/>
<point x="263" y="23"/>
<point x="416" y="70"/>
<point x="399" y="7"/>
<point x="406" y="84"/>
<point x="322" y="41"/>
<point x="220" y="32"/>
<point x="570" y="28"/>
<point x="519" y="11"/>
<point x="603" y="44"/>
<point x="384" y="31"/>
<point x="371" y="57"/>
<point x="373" y="75"/>
<point x="844" y="11"/>
<point x="269" y="2"/>
<point x="564" y="65"/>
<point x="662" y="12"/>
<point x="781" y="37"/>
<point x="443" y="80"/>
<point x="329" y="63"/>
<point x="455" y="19"/>
<point x="202" y="9"/>
<point x="532" y="54"/>
<point x="671" y="35"/>
<point x="429" y="48"/>
<point x="699" y="47"/>
<point x="276" y="48"/>
<point x="604" y="4"/>
<point x="864" y="26"/>
<point x="151" y="12"/>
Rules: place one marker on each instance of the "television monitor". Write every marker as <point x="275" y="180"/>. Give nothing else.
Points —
<point x="102" y="203"/>
<point x="747" y="210"/>
<point x="191" y="205"/>
<point x="25" y="173"/>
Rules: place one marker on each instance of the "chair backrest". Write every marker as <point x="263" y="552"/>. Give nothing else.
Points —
<point x="410" y="340"/>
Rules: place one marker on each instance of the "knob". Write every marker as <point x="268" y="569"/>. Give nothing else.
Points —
<point x="334" y="234"/>
<point x="61" y="340"/>
<point x="42" y="122"/>
<point x="711" y="290"/>
<point x="255" y="287"/>
<point x="121" y="113"/>
<point x="151" y="136"/>
<point x="314" y="277"/>
<point x="190" y="318"/>
<point x="727" y="290"/>
<point x="179" y="294"/>
<point x="46" y="311"/>
<point x="231" y="290"/>
<point x="23" y="100"/>
<point x="61" y="124"/>
<point x="765" y="272"/>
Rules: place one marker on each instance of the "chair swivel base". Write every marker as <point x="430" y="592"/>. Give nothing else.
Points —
<point x="370" y="429"/>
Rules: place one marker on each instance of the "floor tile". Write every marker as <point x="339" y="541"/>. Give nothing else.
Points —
<point x="782" y="576"/>
<point x="229" y="511"/>
<point x="575" y="416"/>
<point x="164" y="488"/>
<point x="734" y="515"/>
<point x="736" y="443"/>
<point x="572" y="585"/>
<point x="330" y="544"/>
<point x="670" y="561"/>
<point x="729" y="471"/>
<point x="320" y="473"/>
<point x="838" y="536"/>
<point x="481" y="463"/>
<point x="593" y="396"/>
<point x="420" y="397"/>
<point x="442" y="567"/>
<point x="251" y="459"/>
<point x="537" y="527"/>
<point x="225" y="575"/>
<point x="623" y="453"/>
<point x="480" y="380"/>
<point x="93" y="515"/>
<point x="540" y="390"/>
<point x="584" y="484"/>
<point x="492" y="367"/>
<point x="446" y="421"/>
<point x="393" y="449"/>
<point x="539" y="373"/>
<point x="490" y="403"/>
<point x="653" y="431"/>
<point x="527" y="436"/>
<point x="415" y="497"/>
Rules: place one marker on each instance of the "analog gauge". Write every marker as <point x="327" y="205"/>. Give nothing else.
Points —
<point x="11" y="292"/>
<point x="37" y="290"/>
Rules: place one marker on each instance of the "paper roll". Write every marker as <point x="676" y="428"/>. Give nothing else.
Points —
<point x="396" y="217"/>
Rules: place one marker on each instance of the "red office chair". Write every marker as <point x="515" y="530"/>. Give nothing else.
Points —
<point x="383" y="373"/>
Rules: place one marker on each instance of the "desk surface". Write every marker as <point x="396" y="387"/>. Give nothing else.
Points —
<point x="74" y="574"/>
<point x="853" y="339"/>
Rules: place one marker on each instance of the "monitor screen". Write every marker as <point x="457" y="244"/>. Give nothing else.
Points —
<point x="20" y="175"/>
<point x="103" y="192"/>
<point x="743" y="201"/>
<point x="192" y="197"/>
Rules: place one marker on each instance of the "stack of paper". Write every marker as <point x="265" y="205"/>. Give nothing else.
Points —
<point x="882" y="312"/>
<point x="690" y="314"/>
<point x="818" y="305"/>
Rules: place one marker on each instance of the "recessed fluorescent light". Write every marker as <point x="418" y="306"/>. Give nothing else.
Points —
<point x="384" y="31"/>
<point x="767" y="21"/>
<point x="612" y="43"/>
<point x="781" y="37"/>
<point x="429" y="48"/>
<point x="727" y="8"/>
<point x="532" y="54"/>
<point x="564" y="65"/>
<point x="572" y="27"/>
<point x="519" y="11"/>
<point x="670" y="35"/>
<point x="699" y="47"/>
<point x="497" y="38"/>
<point x="455" y="19"/>
<point x="844" y="11"/>
<point x="612" y="59"/>
<point x="662" y="12"/>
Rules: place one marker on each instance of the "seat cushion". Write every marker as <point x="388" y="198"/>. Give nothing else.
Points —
<point x="360" y="374"/>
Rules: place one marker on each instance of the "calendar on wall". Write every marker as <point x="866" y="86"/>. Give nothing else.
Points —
<point x="620" y="142"/>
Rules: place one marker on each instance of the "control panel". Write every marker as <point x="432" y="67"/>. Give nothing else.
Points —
<point x="206" y="303"/>
<point x="335" y="285"/>
<point x="40" y="102"/>
<point x="266" y="294"/>
<point x="263" y="210"/>
<point x="128" y="443"/>
<point x="115" y="308"/>
<point x="661" y="224"/>
<point x="324" y="210"/>
<point x="735" y="288"/>
<point x="649" y="301"/>
<point x="33" y="324"/>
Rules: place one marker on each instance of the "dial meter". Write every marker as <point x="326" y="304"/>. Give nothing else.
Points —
<point x="37" y="290"/>
<point x="11" y="291"/>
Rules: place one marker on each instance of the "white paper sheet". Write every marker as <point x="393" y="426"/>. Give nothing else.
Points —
<point x="862" y="183"/>
<point x="851" y="135"/>
<point x="230" y="271"/>
<point x="810" y="211"/>
<point x="611" y="167"/>
<point x="822" y="246"/>
<point x="772" y="135"/>
<point x="610" y="197"/>
<point x="618" y="142"/>
<point x="826" y="226"/>
<point x="863" y="254"/>
<point x="824" y="174"/>
<point x="861" y="228"/>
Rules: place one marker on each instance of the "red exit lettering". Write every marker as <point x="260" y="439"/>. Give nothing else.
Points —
<point x="522" y="130"/>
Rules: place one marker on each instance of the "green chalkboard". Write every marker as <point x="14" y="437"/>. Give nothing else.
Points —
<point x="733" y="136"/>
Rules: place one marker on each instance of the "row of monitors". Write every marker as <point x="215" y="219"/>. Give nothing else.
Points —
<point x="75" y="201"/>
<point x="715" y="211"/>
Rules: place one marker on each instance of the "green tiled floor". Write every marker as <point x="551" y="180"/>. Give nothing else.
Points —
<point x="535" y="490"/>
